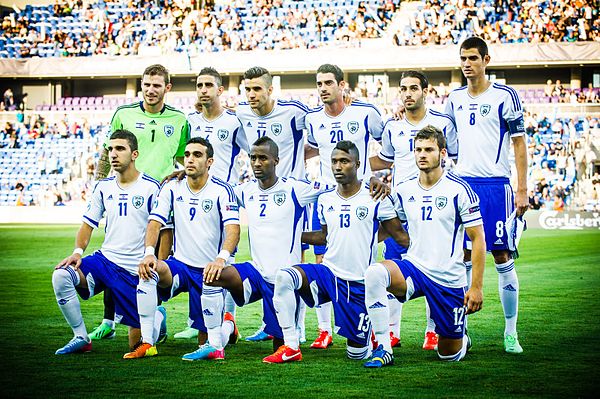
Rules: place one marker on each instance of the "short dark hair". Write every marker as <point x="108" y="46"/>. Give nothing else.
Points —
<point x="432" y="132"/>
<point x="416" y="74"/>
<point x="266" y="140"/>
<point x="259" y="72"/>
<point x="158" y="69"/>
<point x="126" y="135"/>
<point x="211" y="72"/>
<point x="348" y="147"/>
<point x="200" y="140"/>
<point x="475" y="42"/>
<point x="334" y="69"/>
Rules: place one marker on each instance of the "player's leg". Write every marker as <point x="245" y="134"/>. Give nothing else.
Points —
<point x="64" y="281"/>
<point x="508" y="288"/>
<point x="393" y="250"/>
<point x="106" y="329"/>
<point x="431" y="338"/>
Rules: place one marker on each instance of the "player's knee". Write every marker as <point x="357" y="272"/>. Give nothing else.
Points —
<point x="451" y="350"/>
<point x="64" y="278"/>
<point x="501" y="256"/>
<point x="288" y="279"/>
<point x="358" y="352"/>
<point x="377" y="274"/>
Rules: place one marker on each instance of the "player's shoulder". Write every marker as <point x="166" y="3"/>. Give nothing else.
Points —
<point x="507" y="92"/>
<point x="393" y="123"/>
<point x="408" y="184"/>
<point x="460" y="185"/>
<point x="438" y="114"/>
<point x="330" y="192"/>
<point x="361" y="105"/>
<point x="150" y="181"/>
<point x="230" y="113"/>
<point x="132" y="107"/>
<point x="292" y="104"/>
<point x="223" y="185"/>
<point x="460" y="91"/>
<point x="314" y="111"/>
<point x="172" y="111"/>
<point x="194" y="115"/>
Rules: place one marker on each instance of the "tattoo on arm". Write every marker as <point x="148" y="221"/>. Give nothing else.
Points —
<point x="103" y="166"/>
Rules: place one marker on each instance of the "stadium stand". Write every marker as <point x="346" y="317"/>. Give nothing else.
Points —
<point x="126" y="28"/>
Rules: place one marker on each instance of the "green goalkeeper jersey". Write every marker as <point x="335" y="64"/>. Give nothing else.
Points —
<point x="161" y="137"/>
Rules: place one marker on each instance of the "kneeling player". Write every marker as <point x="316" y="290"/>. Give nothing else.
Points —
<point x="126" y="199"/>
<point x="202" y="207"/>
<point x="275" y="207"/>
<point x="439" y="207"/>
<point x="349" y="224"/>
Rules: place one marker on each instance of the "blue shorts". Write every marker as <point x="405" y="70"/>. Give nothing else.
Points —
<point x="316" y="226"/>
<point x="348" y="299"/>
<point x="392" y="249"/>
<point x="186" y="279"/>
<point x="100" y="274"/>
<point x="496" y="203"/>
<point x="446" y="304"/>
<point x="256" y="288"/>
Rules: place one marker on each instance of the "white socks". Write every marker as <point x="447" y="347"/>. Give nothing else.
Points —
<point x="395" y="307"/>
<point x="284" y="300"/>
<point x="460" y="354"/>
<point x="229" y="303"/>
<point x="64" y="282"/>
<point x="430" y="322"/>
<point x="212" y="310"/>
<point x="377" y="280"/>
<point x="508" y="287"/>
<point x="358" y="353"/>
<point x="147" y="302"/>
<point x="324" y="316"/>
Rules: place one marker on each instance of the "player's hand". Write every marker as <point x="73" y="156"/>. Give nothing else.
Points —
<point x="73" y="260"/>
<point x="521" y="202"/>
<point x="146" y="266"/>
<point x="178" y="174"/>
<point x="212" y="271"/>
<point x="399" y="114"/>
<point x="473" y="300"/>
<point x="378" y="189"/>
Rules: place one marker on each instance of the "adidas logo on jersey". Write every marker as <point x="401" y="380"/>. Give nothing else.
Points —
<point x="411" y="199"/>
<point x="179" y="199"/>
<point x="110" y="197"/>
<point x="152" y="122"/>
<point x="459" y="108"/>
<point x="248" y="124"/>
<point x="322" y="127"/>
<point x="330" y="209"/>
<point x="377" y="305"/>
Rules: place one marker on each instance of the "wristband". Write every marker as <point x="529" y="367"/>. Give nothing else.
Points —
<point x="78" y="251"/>
<point x="149" y="250"/>
<point x="224" y="254"/>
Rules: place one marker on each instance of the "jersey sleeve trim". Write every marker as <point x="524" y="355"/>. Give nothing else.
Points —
<point x="90" y="222"/>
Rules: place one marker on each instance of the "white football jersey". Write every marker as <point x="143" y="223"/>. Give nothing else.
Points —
<point x="275" y="221"/>
<point x="127" y="211"/>
<point x="358" y="122"/>
<point x="199" y="218"/>
<point x="285" y="125"/>
<point x="227" y="138"/>
<point x="352" y="225"/>
<point x="398" y="142"/>
<point x="437" y="218"/>
<point x="484" y="126"/>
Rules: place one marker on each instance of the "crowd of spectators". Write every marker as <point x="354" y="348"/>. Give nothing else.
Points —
<point x="506" y="21"/>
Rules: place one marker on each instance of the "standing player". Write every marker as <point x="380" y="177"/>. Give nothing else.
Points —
<point x="207" y="230"/>
<point x="283" y="122"/>
<point x="126" y="199"/>
<point x="488" y="116"/>
<point x="275" y="206"/>
<point x="161" y="132"/>
<point x="222" y="129"/>
<point x="327" y="125"/>
<point x="435" y="204"/>
<point x="398" y="150"/>
<point x="350" y="220"/>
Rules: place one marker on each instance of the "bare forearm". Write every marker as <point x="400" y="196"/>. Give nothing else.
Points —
<point x="310" y="152"/>
<point x="232" y="237"/>
<point x="379" y="164"/>
<point x="103" y="168"/>
<point x="478" y="259"/>
<point x="152" y="233"/>
<point x="83" y="236"/>
<point x="166" y="242"/>
<point x="520" y="149"/>
<point x="314" y="238"/>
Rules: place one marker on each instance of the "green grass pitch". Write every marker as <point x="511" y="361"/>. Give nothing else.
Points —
<point x="558" y="326"/>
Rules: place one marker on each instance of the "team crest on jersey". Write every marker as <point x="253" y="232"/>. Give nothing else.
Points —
<point x="222" y="134"/>
<point x="362" y="212"/>
<point x="353" y="127"/>
<point x="207" y="205"/>
<point x="169" y="130"/>
<point x="440" y="202"/>
<point x="279" y="198"/>
<point x="484" y="109"/>
<point x="137" y="201"/>
<point x="276" y="128"/>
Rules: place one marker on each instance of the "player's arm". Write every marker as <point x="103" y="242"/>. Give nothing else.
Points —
<point x="310" y="151"/>
<point x="474" y="296"/>
<point x="103" y="167"/>
<point x="81" y="242"/>
<point x="520" y="148"/>
<point x="393" y="228"/>
<point x="315" y="237"/>
<point x="379" y="164"/>
<point x="212" y="270"/>
<point x="149" y="262"/>
<point x="183" y="139"/>
<point x="165" y="239"/>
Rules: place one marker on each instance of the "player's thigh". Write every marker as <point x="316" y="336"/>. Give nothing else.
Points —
<point x="231" y="280"/>
<point x="165" y="276"/>
<point x="305" y="287"/>
<point x="397" y="281"/>
<point x="94" y="274"/>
